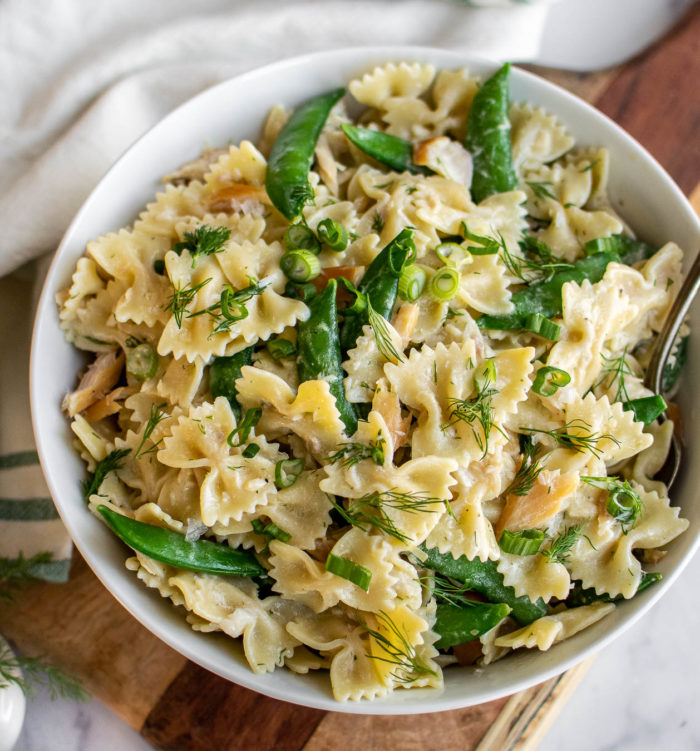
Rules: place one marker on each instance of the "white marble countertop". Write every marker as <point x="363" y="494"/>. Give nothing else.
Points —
<point x="641" y="694"/>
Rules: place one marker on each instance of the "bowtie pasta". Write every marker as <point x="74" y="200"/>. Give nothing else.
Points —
<point x="370" y="393"/>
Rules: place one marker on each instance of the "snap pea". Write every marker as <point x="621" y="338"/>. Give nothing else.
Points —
<point x="457" y="625"/>
<point x="579" y="596"/>
<point x="647" y="408"/>
<point x="545" y="297"/>
<point x="380" y="285"/>
<point x="318" y="351"/>
<point x="287" y="178"/>
<point x="172" y="548"/>
<point x="629" y="250"/>
<point x="395" y="152"/>
<point x="223" y="373"/>
<point x="483" y="577"/>
<point x="488" y="138"/>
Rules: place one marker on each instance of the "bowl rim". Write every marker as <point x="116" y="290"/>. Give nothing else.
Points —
<point x="431" y="700"/>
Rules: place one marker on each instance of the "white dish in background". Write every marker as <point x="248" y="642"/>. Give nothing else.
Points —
<point x="639" y="188"/>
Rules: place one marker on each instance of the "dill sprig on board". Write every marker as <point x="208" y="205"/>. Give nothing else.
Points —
<point x="15" y="571"/>
<point x="29" y="672"/>
<point x="398" y="651"/>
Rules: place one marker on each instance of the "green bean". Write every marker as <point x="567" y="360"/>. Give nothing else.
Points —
<point x="545" y="297"/>
<point x="318" y="351"/>
<point x="579" y="596"/>
<point x="223" y="373"/>
<point x="483" y="577"/>
<point x="457" y="625"/>
<point x="174" y="549"/>
<point x="287" y="178"/>
<point x="395" y="152"/>
<point x="488" y="138"/>
<point x="380" y="285"/>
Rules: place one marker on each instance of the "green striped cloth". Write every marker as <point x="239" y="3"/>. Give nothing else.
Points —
<point x="29" y="523"/>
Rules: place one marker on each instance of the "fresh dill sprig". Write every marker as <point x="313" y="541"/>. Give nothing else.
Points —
<point x="110" y="463"/>
<point x="181" y="298"/>
<point x="398" y="651"/>
<point x="350" y="454"/>
<point x="204" y="241"/>
<point x="369" y="510"/>
<point x="156" y="415"/>
<point x="378" y="223"/>
<point x="540" y="188"/>
<point x="528" y="471"/>
<point x="614" y="372"/>
<point x="29" y="672"/>
<point x="581" y="441"/>
<point x="445" y="589"/>
<point x="14" y="571"/>
<point x="231" y="306"/>
<point x="559" y="549"/>
<point x="590" y="166"/>
<point x="477" y="411"/>
<point x="382" y="334"/>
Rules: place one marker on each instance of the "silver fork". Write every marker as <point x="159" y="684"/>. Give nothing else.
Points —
<point x="660" y="354"/>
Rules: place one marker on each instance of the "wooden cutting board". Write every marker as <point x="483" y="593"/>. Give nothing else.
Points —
<point x="178" y="706"/>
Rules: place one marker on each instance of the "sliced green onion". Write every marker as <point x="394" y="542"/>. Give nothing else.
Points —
<point x="349" y="570"/>
<point x="159" y="266"/>
<point x="541" y="325"/>
<point x="280" y="348"/>
<point x="300" y="265"/>
<point x="485" y="376"/>
<point x="249" y="421"/>
<point x="549" y="380"/>
<point x="602" y="245"/>
<point x="303" y="292"/>
<point x="444" y="284"/>
<point x="359" y="303"/>
<point x="333" y="234"/>
<point x="270" y="531"/>
<point x="624" y="505"/>
<point x="142" y="362"/>
<point x="232" y="308"/>
<point x="488" y="246"/>
<point x="445" y="251"/>
<point x="287" y="472"/>
<point x="412" y="282"/>
<point x="647" y="408"/>
<point x="526" y="542"/>
<point x="301" y="237"/>
<point x="251" y="450"/>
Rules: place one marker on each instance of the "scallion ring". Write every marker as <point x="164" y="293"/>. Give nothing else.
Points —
<point x="359" y="303"/>
<point x="542" y="326"/>
<point x="303" y="292"/>
<point x="142" y="362"/>
<point x="444" y="284"/>
<point x="525" y="542"/>
<point x="270" y="530"/>
<point x="300" y="265"/>
<point x="602" y="245"/>
<point x="249" y="421"/>
<point x="349" y="570"/>
<point x="301" y="237"/>
<point x="412" y="282"/>
<point x="549" y="380"/>
<point x="287" y="472"/>
<point x="279" y="348"/>
<point x="447" y="252"/>
<point x="624" y="505"/>
<point x="333" y="234"/>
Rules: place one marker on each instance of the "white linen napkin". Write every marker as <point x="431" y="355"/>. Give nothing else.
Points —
<point x="80" y="80"/>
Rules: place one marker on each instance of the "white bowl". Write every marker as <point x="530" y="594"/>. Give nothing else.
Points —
<point x="640" y="189"/>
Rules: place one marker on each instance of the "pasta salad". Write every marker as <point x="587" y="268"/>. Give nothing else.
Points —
<point x="369" y="392"/>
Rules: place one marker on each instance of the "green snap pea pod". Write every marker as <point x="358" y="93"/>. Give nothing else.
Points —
<point x="318" y="351"/>
<point x="395" y="152"/>
<point x="223" y="373"/>
<point x="380" y="285"/>
<point x="287" y="178"/>
<point x="483" y="577"/>
<point x="545" y="297"/>
<point x="488" y="138"/>
<point x="579" y="596"/>
<point x="629" y="250"/>
<point x="172" y="548"/>
<point x="647" y="408"/>
<point x="673" y="368"/>
<point x="457" y="625"/>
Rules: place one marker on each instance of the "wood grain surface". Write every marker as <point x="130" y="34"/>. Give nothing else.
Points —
<point x="178" y="706"/>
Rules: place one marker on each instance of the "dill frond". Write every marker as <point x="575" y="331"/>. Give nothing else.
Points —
<point x="29" y="672"/>
<point x="580" y="441"/>
<point x="156" y="415"/>
<point x="380" y="326"/>
<point x="110" y="463"/>
<point x="181" y="298"/>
